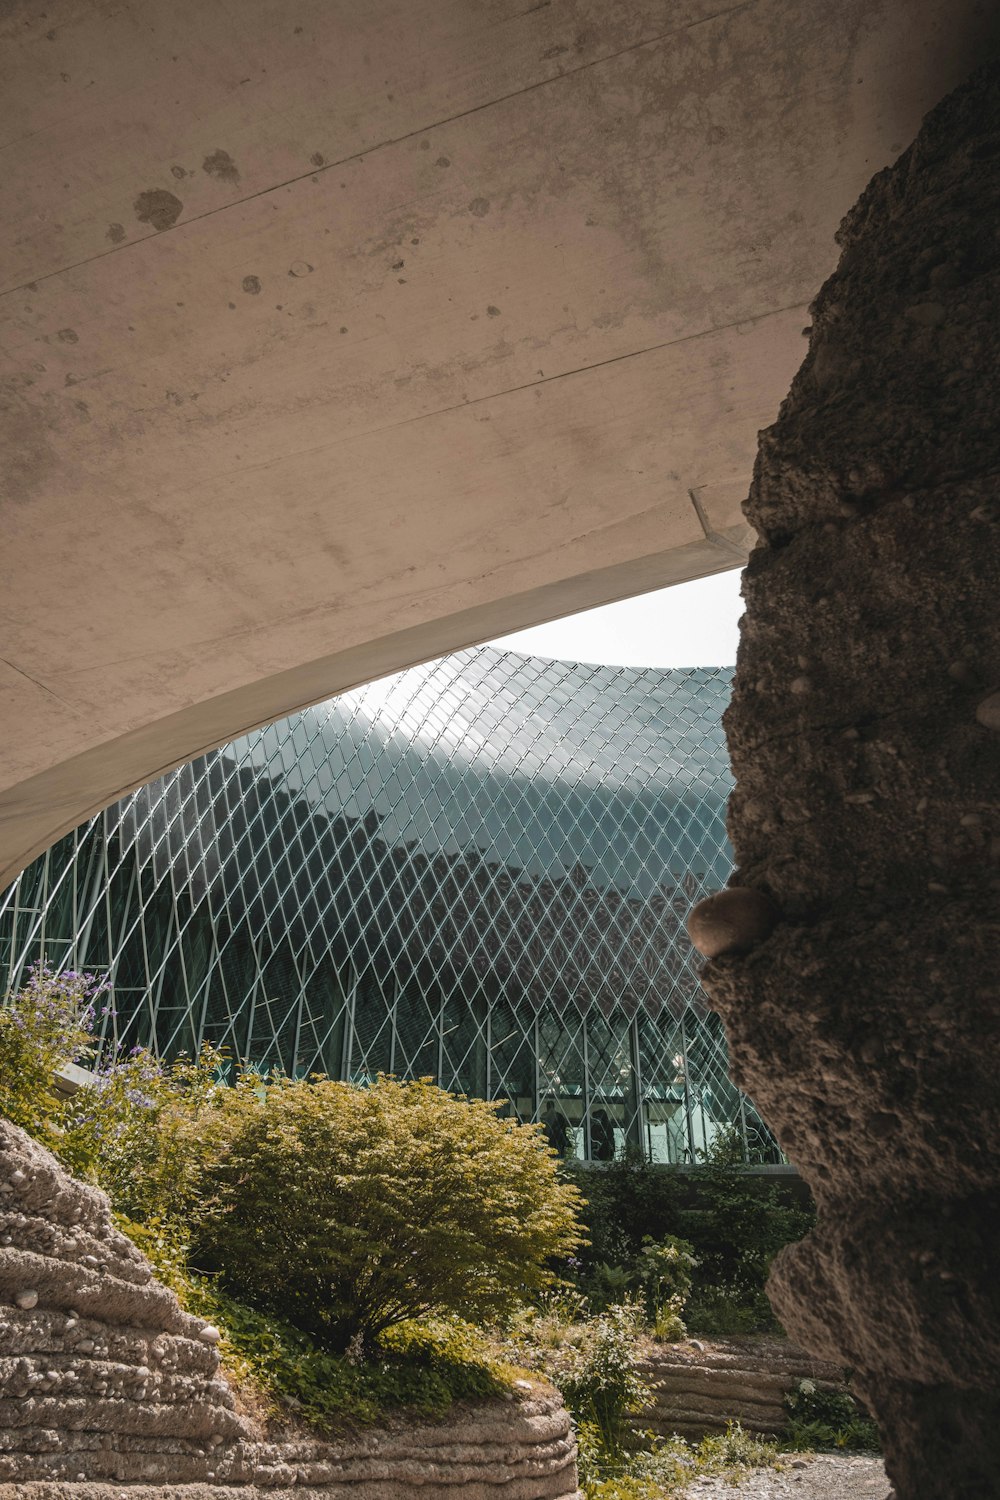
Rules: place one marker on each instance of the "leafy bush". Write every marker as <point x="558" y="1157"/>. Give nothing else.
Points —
<point x="717" y="1310"/>
<point x="660" y="1274"/>
<point x="664" y="1268"/>
<point x="736" y="1449"/>
<point x="667" y="1466"/>
<point x="139" y="1129"/>
<point x="737" y="1225"/>
<point x="605" y="1286"/>
<point x="605" y="1478"/>
<point x="734" y="1224"/>
<point x="151" y="1134"/>
<point x="828" y="1420"/>
<point x="663" y="1271"/>
<point x="423" y="1367"/>
<point x="594" y="1360"/>
<point x="349" y="1210"/>
<point x="625" y="1200"/>
<point x="144" y="1131"/>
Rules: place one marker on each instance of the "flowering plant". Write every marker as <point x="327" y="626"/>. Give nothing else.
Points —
<point x="135" y="1127"/>
<point x="140" y="1129"/>
<point x="50" y="1023"/>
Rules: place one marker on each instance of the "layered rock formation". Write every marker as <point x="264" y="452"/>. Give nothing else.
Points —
<point x="699" y="1389"/>
<point x="865" y="736"/>
<point x="104" y="1381"/>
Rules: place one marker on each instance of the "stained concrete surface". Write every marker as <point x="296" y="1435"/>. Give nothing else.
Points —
<point x="335" y="337"/>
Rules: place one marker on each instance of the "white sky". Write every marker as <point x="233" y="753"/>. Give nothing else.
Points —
<point x="689" y="625"/>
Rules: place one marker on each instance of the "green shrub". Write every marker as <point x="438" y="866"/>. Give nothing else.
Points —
<point x="663" y="1272"/>
<point x="624" y="1200"/>
<point x="718" y="1310"/>
<point x="668" y="1326"/>
<point x="736" y="1449"/>
<point x="737" y="1224"/>
<point x="600" y="1379"/>
<point x="828" y="1420"/>
<point x="421" y="1367"/>
<point x="139" y="1129"/>
<point x="557" y="1306"/>
<point x="624" y="1487"/>
<point x="605" y="1286"/>
<point x="594" y="1360"/>
<point x="667" y="1466"/>
<point x="452" y="1352"/>
<point x="348" y="1210"/>
<point x="151" y="1134"/>
<point x="660" y="1274"/>
<point x="144" y="1131"/>
<point x="665" y="1462"/>
<point x="734" y="1224"/>
<point x="663" y="1268"/>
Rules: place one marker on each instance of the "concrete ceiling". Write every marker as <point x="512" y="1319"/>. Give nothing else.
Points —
<point x="337" y="335"/>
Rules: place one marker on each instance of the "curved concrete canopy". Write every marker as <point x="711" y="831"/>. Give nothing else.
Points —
<point x="337" y="336"/>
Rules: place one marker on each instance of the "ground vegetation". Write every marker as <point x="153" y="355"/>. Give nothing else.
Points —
<point x="731" y="1225"/>
<point x="363" y="1250"/>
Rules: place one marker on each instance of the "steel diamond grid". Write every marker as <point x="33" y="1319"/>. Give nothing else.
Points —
<point x="477" y="870"/>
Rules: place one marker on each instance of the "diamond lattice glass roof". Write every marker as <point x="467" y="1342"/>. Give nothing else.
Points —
<point x="477" y="870"/>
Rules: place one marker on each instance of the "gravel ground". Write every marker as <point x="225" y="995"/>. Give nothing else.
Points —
<point x="827" y="1477"/>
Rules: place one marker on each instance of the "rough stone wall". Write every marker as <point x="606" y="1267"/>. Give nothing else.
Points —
<point x="101" y="1373"/>
<point x="701" y="1388"/>
<point x="104" y="1381"/>
<point x="865" y="735"/>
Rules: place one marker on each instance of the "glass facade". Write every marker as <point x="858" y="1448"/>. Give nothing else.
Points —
<point x="477" y="871"/>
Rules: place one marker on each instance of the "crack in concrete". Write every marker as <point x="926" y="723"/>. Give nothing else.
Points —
<point x="528" y="385"/>
<point x="313" y="171"/>
<point x="498" y="395"/>
<point x="730" y="548"/>
<point x="38" y="684"/>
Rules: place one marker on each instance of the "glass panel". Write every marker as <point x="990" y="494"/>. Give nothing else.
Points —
<point x="562" y="1093"/>
<point x="416" y="1042"/>
<point x="371" y="1039"/>
<point x="512" y="1057"/>
<point x="504" y="848"/>
<point x="614" y="1111"/>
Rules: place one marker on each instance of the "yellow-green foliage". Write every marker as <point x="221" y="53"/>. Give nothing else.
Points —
<point x="421" y="1367"/>
<point x="668" y="1466"/>
<point x="140" y="1129"/>
<point x="599" y="1375"/>
<point x="348" y="1210"/>
<point x="827" y="1420"/>
<point x="341" y="1210"/>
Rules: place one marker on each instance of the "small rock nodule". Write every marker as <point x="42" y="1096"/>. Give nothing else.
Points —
<point x="731" y="921"/>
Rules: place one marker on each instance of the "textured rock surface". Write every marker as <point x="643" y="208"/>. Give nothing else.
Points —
<point x="867" y="758"/>
<point x="740" y="1379"/>
<point x="104" y="1381"/>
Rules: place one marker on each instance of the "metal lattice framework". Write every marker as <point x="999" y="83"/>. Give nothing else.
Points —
<point x="477" y="870"/>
